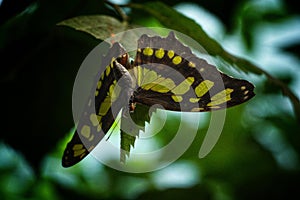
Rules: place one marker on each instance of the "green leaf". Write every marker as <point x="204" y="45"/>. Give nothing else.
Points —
<point x="131" y="126"/>
<point x="99" y="26"/>
<point x="127" y="141"/>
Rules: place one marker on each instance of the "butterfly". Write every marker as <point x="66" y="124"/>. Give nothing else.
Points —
<point x="165" y="72"/>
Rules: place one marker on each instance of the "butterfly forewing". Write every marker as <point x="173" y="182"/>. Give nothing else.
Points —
<point x="169" y="74"/>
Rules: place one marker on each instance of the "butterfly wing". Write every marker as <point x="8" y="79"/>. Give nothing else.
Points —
<point x="102" y="107"/>
<point x="169" y="74"/>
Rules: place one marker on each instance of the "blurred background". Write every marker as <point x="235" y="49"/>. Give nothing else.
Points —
<point x="256" y="157"/>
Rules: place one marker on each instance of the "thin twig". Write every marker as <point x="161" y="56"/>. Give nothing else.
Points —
<point x="119" y="10"/>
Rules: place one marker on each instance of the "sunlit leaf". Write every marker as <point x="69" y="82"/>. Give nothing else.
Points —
<point x="99" y="26"/>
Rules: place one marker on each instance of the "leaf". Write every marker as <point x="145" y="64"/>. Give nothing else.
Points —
<point x="130" y="128"/>
<point x="99" y="26"/>
<point x="172" y="19"/>
<point x="127" y="141"/>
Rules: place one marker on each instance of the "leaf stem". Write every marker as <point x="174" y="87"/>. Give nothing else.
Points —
<point x="249" y="66"/>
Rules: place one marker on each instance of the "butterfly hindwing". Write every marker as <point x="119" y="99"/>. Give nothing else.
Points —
<point x="102" y="107"/>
